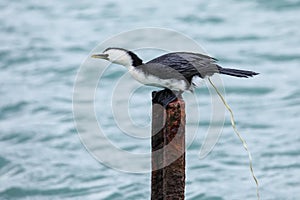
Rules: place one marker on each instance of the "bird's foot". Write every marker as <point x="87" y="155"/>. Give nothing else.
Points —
<point x="164" y="97"/>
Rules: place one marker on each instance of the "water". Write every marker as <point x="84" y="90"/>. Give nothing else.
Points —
<point x="43" y="45"/>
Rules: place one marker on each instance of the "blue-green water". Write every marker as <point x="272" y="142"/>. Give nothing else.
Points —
<point x="42" y="45"/>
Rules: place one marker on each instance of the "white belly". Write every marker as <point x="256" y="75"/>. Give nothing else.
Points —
<point x="173" y="84"/>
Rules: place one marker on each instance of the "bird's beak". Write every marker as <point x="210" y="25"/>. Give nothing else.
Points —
<point x="101" y="56"/>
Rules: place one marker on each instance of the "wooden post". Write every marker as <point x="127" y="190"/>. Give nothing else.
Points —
<point x="168" y="151"/>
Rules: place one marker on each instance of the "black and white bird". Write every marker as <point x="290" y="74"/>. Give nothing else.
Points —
<point x="176" y="71"/>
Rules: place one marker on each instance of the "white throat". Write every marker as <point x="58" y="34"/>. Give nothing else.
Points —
<point x="119" y="57"/>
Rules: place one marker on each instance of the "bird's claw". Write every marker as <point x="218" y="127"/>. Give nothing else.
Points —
<point x="164" y="97"/>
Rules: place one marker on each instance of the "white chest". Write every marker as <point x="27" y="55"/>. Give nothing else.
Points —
<point x="173" y="84"/>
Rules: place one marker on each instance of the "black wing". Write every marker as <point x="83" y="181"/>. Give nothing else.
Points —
<point x="181" y="65"/>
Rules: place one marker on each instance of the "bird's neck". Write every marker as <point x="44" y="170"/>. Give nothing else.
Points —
<point x="135" y="60"/>
<point x="127" y="59"/>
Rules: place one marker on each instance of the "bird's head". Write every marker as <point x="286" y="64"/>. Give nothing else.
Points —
<point x="119" y="56"/>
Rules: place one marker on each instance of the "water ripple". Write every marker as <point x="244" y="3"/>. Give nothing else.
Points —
<point x="43" y="45"/>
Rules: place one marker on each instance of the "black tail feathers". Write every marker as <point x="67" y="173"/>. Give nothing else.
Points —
<point x="237" y="72"/>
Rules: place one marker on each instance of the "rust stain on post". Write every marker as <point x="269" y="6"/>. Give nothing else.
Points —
<point x="168" y="151"/>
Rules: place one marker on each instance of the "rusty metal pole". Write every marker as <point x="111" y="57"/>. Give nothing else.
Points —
<point x="168" y="150"/>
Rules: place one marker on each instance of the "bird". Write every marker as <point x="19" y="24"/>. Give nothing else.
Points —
<point x="176" y="72"/>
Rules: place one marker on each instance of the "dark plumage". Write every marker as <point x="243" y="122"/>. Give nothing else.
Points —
<point x="177" y="71"/>
<point x="188" y="65"/>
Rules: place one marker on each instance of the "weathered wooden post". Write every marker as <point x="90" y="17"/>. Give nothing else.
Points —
<point x="168" y="150"/>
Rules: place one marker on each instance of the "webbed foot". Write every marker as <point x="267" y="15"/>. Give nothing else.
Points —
<point x="164" y="97"/>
